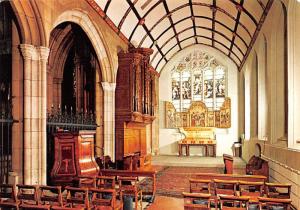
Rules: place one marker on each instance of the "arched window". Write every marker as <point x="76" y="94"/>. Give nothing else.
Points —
<point x="198" y="77"/>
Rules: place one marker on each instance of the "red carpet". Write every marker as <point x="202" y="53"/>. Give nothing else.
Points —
<point x="172" y="181"/>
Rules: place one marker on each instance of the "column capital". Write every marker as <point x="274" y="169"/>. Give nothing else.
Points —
<point x="108" y="86"/>
<point x="44" y="52"/>
<point x="27" y="51"/>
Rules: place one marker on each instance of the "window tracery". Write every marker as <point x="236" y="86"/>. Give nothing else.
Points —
<point x="198" y="77"/>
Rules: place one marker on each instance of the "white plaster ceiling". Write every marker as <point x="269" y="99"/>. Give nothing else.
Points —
<point x="169" y="26"/>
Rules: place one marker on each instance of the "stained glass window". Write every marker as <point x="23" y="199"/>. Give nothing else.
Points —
<point x="198" y="77"/>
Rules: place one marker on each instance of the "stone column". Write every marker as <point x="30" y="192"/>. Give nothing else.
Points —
<point x="293" y="75"/>
<point x="17" y="109"/>
<point x="35" y="108"/>
<point x="27" y="53"/>
<point x="44" y="53"/>
<point x="109" y="119"/>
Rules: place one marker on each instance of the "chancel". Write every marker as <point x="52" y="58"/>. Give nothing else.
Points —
<point x="149" y="104"/>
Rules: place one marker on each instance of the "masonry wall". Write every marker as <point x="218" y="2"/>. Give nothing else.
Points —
<point x="279" y="147"/>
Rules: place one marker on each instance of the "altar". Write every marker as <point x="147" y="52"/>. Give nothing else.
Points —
<point x="198" y="136"/>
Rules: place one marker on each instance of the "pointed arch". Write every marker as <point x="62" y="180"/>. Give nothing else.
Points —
<point x="30" y="26"/>
<point x="96" y="38"/>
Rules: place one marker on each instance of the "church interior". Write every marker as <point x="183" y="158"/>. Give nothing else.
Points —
<point x="149" y="104"/>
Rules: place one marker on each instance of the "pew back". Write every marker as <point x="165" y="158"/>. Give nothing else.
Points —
<point x="237" y="177"/>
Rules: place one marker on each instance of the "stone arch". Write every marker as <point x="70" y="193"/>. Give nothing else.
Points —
<point x="31" y="27"/>
<point x="96" y="38"/>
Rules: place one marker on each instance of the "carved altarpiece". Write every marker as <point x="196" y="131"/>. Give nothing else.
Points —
<point x="198" y="115"/>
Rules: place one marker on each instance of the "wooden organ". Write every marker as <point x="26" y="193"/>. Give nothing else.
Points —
<point x="74" y="156"/>
<point x="136" y="81"/>
<point x="198" y="136"/>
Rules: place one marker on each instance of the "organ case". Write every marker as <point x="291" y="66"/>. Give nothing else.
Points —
<point x="135" y="102"/>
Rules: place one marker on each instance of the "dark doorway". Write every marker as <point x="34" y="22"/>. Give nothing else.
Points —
<point x="5" y="90"/>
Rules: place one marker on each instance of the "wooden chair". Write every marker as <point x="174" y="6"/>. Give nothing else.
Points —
<point x="228" y="161"/>
<point x="129" y="186"/>
<point x="251" y="188"/>
<point x="77" y="197"/>
<point x="66" y="208"/>
<point x="29" y="199"/>
<point x="200" y="186"/>
<point x="8" y="198"/>
<point x="270" y="203"/>
<point x="27" y="194"/>
<point x="196" y="201"/>
<point x="277" y="190"/>
<point x="225" y="187"/>
<point x="102" y="198"/>
<point x="234" y="202"/>
<point x="105" y="182"/>
<point x="51" y="195"/>
<point x="87" y="182"/>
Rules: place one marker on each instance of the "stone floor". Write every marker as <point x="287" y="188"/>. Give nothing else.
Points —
<point x="195" y="161"/>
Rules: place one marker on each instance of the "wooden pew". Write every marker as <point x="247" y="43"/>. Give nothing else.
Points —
<point x="138" y="173"/>
<point x="237" y="177"/>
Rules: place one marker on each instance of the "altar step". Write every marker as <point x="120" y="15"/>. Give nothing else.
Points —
<point x="195" y="161"/>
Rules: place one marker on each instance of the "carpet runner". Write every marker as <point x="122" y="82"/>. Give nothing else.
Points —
<point x="172" y="180"/>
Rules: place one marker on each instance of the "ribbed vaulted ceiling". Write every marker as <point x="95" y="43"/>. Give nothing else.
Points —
<point x="168" y="26"/>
